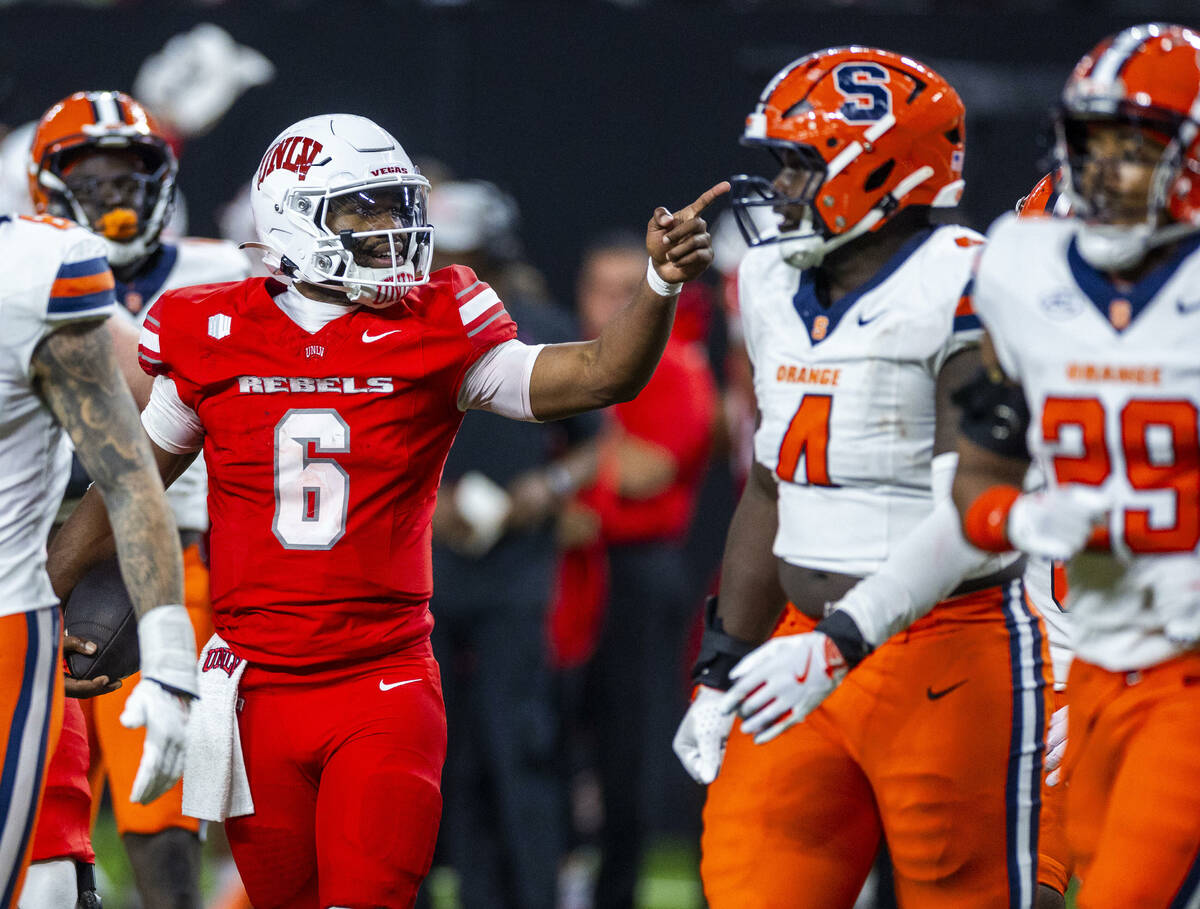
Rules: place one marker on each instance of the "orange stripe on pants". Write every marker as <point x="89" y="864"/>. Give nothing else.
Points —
<point x="31" y="704"/>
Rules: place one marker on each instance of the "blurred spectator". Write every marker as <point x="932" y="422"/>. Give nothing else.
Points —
<point x="193" y="81"/>
<point x="478" y="223"/>
<point x="504" y="821"/>
<point x="636" y="514"/>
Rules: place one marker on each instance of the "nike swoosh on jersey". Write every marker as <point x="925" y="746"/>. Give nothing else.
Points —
<point x="1187" y="308"/>
<point x="934" y="695"/>
<point x="368" y="337"/>
<point x="383" y="686"/>
<point x="862" y="321"/>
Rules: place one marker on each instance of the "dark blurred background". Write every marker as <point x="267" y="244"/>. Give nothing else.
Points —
<point x="588" y="112"/>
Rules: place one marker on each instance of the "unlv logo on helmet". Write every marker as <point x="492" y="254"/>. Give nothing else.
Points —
<point x="294" y="153"/>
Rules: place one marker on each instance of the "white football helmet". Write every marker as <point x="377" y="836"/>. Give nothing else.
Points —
<point x="342" y="162"/>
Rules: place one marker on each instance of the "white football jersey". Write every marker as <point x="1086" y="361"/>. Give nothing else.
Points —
<point x="1113" y="384"/>
<point x="847" y="395"/>
<point x="58" y="276"/>
<point x="184" y="263"/>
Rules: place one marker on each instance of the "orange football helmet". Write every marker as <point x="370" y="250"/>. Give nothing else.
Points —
<point x="879" y="131"/>
<point x="130" y="216"/>
<point x="1146" y="77"/>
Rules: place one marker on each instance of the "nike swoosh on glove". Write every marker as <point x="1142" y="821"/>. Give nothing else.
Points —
<point x="165" y="717"/>
<point x="782" y="682"/>
<point x="1056" y="745"/>
<point x="1055" y="523"/>
<point x="700" y="740"/>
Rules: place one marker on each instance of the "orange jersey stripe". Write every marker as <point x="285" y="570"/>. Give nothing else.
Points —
<point x="82" y="286"/>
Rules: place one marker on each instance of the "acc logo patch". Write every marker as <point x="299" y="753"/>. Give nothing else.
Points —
<point x="1063" y="305"/>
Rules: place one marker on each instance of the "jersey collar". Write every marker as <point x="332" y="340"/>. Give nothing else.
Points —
<point x="1120" y="308"/>
<point x="310" y="315"/>
<point x="148" y="285"/>
<point x="808" y="306"/>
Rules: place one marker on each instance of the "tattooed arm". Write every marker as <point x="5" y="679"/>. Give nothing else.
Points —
<point x="77" y="375"/>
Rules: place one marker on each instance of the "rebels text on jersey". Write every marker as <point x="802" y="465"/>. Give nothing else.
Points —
<point x="324" y="452"/>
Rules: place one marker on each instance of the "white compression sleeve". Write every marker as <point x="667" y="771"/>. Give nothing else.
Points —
<point x="171" y="424"/>
<point x="498" y="381"/>
<point x="921" y="570"/>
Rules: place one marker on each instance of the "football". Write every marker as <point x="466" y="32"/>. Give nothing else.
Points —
<point x="99" y="610"/>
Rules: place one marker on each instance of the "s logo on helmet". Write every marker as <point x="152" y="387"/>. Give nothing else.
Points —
<point x="861" y="84"/>
<point x="294" y="153"/>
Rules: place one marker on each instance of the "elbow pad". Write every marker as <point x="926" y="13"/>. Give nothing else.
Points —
<point x="994" y="415"/>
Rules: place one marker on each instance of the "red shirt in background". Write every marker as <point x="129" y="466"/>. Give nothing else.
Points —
<point x="676" y="411"/>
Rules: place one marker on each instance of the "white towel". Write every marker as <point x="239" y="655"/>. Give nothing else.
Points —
<point x="214" y="776"/>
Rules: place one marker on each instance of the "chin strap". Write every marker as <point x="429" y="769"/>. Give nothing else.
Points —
<point x="809" y="250"/>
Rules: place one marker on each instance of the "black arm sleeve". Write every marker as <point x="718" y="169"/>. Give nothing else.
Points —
<point x="994" y="415"/>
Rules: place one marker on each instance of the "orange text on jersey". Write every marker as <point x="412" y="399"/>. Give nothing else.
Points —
<point x="1101" y="372"/>
<point x="807" y="375"/>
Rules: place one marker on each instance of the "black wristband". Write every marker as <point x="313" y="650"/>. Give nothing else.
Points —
<point x="719" y="652"/>
<point x="840" y="628"/>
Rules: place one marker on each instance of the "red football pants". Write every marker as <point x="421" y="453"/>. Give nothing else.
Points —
<point x="935" y="741"/>
<point x="1131" y="770"/>
<point x="345" y="773"/>
<point x="64" y="824"/>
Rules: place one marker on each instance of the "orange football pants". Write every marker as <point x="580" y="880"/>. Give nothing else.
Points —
<point x="117" y="751"/>
<point x="934" y="741"/>
<point x="31" y="705"/>
<point x="1133" y="784"/>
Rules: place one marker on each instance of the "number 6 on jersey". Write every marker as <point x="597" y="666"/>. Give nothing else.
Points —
<point x="311" y="493"/>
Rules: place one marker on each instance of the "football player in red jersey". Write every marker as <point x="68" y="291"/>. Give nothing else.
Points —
<point x="325" y="401"/>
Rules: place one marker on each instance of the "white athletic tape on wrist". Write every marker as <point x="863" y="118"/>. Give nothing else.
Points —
<point x="657" y="284"/>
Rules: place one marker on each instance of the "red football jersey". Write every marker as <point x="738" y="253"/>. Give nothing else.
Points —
<point x="324" y="453"/>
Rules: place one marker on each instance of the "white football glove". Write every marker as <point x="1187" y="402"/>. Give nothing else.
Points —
<point x="782" y="682"/>
<point x="700" y="740"/>
<point x="1055" y="523"/>
<point x="162" y="699"/>
<point x="1177" y="597"/>
<point x="165" y="717"/>
<point x="1056" y="745"/>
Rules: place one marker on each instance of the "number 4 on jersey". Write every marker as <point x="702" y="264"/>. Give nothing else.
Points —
<point x="808" y="436"/>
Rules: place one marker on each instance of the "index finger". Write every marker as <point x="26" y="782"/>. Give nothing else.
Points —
<point x="705" y="200"/>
